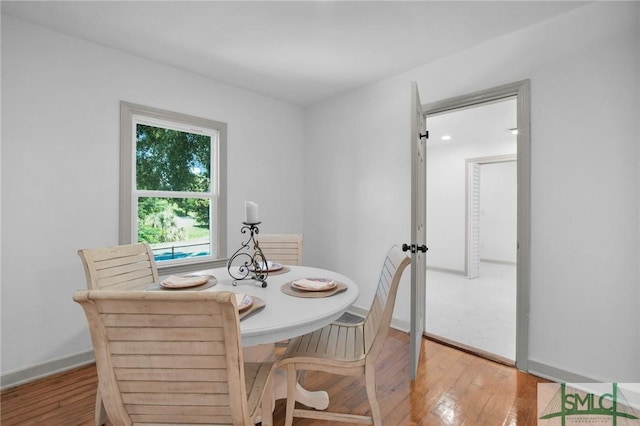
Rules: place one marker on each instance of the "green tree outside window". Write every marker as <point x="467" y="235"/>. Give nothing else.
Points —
<point x="170" y="160"/>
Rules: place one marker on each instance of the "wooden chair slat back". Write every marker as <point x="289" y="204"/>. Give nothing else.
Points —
<point x="281" y="248"/>
<point x="168" y="357"/>
<point x="123" y="267"/>
<point x="378" y="320"/>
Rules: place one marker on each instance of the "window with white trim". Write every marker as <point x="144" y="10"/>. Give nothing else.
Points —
<point x="173" y="172"/>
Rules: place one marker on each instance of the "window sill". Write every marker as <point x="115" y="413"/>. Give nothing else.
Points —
<point x="190" y="267"/>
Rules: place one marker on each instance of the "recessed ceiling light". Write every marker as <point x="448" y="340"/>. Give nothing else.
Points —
<point x="446" y="137"/>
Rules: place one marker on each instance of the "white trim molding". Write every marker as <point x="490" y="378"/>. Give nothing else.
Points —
<point x="49" y="368"/>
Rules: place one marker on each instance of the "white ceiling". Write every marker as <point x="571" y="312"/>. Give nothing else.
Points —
<point x="297" y="51"/>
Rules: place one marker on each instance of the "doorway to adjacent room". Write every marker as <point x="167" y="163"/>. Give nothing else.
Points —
<point x="477" y="222"/>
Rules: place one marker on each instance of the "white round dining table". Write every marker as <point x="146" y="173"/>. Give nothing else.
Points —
<point x="285" y="316"/>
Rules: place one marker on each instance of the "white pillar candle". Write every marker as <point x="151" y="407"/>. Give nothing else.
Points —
<point x="251" y="212"/>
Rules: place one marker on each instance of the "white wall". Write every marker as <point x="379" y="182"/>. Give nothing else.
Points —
<point x="446" y="178"/>
<point x="59" y="176"/>
<point x="584" y="73"/>
<point x="60" y="134"/>
<point x="498" y="211"/>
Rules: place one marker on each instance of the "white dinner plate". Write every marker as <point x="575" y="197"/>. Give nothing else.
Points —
<point x="314" y="284"/>
<point x="184" y="281"/>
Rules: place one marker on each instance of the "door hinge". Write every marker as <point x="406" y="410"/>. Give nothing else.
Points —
<point x="424" y="135"/>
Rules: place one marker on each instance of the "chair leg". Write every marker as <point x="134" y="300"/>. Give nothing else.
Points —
<point x="268" y="405"/>
<point x="100" y="415"/>
<point x="370" y="380"/>
<point x="291" y="393"/>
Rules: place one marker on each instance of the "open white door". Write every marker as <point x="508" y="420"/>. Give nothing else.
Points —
<point x="418" y="246"/>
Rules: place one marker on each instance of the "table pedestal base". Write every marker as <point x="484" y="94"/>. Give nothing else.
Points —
<point x="313" y="399"/>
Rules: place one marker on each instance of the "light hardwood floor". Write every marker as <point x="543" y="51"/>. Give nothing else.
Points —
<point x="452" y="388"/>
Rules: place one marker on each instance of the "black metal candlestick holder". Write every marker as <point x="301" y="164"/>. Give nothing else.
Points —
<point x="252" y="265"/>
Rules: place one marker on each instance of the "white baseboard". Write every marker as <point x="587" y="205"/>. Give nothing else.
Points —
<point x="557" y="374"/>
<point x="499" y="262"/>
<point x="30" y="374"/>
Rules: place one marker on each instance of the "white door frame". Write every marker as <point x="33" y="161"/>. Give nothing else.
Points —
<point x="520" y="89"/>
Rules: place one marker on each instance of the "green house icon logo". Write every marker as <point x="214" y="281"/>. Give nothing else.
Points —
<point x="578" y="407"/>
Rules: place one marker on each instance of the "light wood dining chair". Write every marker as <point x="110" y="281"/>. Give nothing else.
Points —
<point x="124" y="267"/>
<point x="347" y="349"/>
<point x="281" y="248"/>
<point x="174" y="358"/>
<point x="285" y="249"/>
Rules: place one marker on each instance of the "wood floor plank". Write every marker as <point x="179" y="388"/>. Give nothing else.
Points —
<point x="452" y="388"/>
